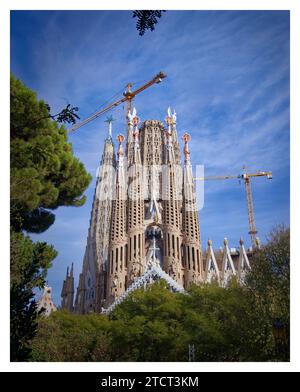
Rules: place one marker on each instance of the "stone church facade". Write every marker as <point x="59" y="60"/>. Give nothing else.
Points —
<point x="144" y="192"/>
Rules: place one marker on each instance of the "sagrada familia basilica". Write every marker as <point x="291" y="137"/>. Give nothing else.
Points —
<point x="144" y="222"/>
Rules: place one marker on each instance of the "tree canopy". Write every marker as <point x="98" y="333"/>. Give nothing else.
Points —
<point x="44" y="175"/>
<point x="29" y="263"/>
<point x="44" y="172"/>
<point x="269" y="283"/>
<point x="224" y="324"/>
<point x="158" y="325"/>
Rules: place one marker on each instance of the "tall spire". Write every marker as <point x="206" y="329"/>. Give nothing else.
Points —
<point x="135" y="207"/>
<point x="172" y="200"/>
<point x="120" y="167"/>
<point x="133" y="122"/>
<point x="118" y="237"/>
<point x="120" y="152"/>
<point x="91" y="290"/>
<point x="186" y="138"/>
<point x="188" y="179"/>
<point x="169" y="139"/>
<point x="136" y="154"/>
<point x="171" y="121"/>
<point x="190" y="222"/>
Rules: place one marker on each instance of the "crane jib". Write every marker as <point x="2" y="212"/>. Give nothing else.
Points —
<point x="246" y="177"/>
<point x="128" y="96"/>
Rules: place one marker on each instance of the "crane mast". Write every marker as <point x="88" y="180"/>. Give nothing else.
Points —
<point x="246" y="177"/>
<point x="128" y="97"/>
<point x="252" y="228"/>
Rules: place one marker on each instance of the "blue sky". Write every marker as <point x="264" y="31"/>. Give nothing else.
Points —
<point x="227" y="78"/>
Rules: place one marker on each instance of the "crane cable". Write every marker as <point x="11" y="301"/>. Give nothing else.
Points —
<point x="108" y="101"/>
<point x="116" y="94"/>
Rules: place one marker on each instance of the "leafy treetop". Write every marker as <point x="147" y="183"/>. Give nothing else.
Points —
<point x="44" y="172"/>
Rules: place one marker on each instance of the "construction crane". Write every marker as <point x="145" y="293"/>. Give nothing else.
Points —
<point x="246" y="177"/>
<point x="128" y="97"/>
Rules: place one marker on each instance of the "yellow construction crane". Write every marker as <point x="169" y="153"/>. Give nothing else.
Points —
<point x="128" y="97"/>
<point x="246" y="177"/>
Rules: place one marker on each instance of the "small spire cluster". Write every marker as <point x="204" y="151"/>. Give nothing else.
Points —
<point x="67" y="292"/>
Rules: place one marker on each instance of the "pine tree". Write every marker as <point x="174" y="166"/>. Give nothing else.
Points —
<point x="44" y="172"/>
<point x="44" y="175"/>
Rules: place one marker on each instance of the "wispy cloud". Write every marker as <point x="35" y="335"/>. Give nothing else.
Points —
<point x="228" y="79"/>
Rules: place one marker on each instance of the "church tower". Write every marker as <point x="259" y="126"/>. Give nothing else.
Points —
<point x="190" y="223"/>
<point x="118" y="236"/>
<point x="135" y="205"/>
<point x="172" y="204"/>
<point x="92" y="288"/>
<point x="144" y="200"/>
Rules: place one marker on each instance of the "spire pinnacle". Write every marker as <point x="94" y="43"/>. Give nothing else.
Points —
<point x="171" y="117"/>
<point x="110" y="120"/>
<point x="120" y="171"/>
<point x="120" y="139"/>
<point x="135" y="122"/>
<point x="169" y="122"/>
<point x="186" y="138"/>
<point x="132" y="117"/>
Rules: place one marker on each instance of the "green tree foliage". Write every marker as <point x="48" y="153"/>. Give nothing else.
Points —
<point x="210" y="318"/>
<point x="224" y="324"/>
<point x="44" y="175"/>
<point x="146" y="20"/>
<point x="44" y="172"/>
<point x="148" y="327"/>
<point x="68" y="337"/>
<point x="29" y="264"/>
<point x="158" y="325"/>
<point x="269" y="283"/>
